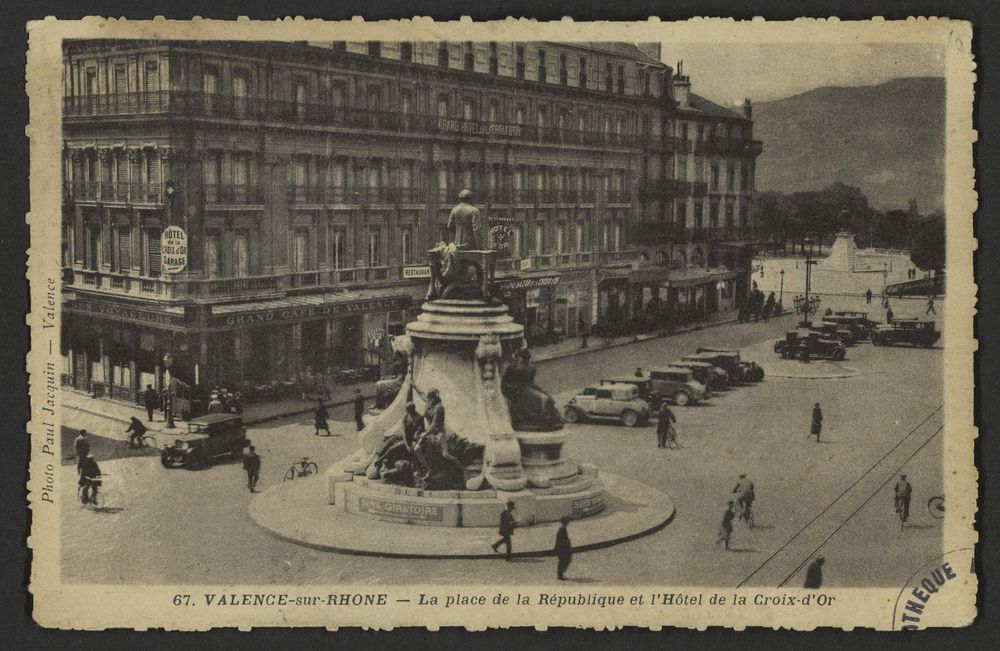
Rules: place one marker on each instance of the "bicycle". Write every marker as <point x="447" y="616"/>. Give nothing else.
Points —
<point x="301" y="468"/>
<point x="935" y="506"/>
<point x="96" y="499"/>
<point x="145" y="444"/>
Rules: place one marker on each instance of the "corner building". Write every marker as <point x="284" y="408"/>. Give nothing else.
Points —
<point x="311" y="178"/>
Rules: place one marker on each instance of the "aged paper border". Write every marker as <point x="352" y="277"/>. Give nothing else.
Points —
<point x="61" y="605"/>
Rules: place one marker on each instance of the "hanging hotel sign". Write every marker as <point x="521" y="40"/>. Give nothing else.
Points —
<point x="420" y="271"/>
<point x="500" y="237"/>
<point x="173" y="250"/>
<point x="308" y="312"/>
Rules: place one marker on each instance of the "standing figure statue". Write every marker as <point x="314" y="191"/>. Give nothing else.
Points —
<point x="465" y="224"/>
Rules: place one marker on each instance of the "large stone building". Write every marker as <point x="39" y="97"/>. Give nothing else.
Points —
<point x="311" y="178"/>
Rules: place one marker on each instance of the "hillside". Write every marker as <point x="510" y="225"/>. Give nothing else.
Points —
<point x="887" y="140"/>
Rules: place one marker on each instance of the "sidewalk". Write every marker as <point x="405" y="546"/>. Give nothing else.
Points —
<point x="343" y="394"/>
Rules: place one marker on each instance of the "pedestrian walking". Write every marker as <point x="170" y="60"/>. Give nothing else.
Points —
<point x="251" y="463"/>
<point x="888" y="313"/>
<point x="930" y="306"/>
<point x="359" y="409"/>
<point x="726" y="528"/>
<point x="665" y="435"/>
<point x="744" y="496"/>
<point x="903" y="492"/>
<point x="151" y="401"/>
<point x="320" y="417"/>
<point x="507" y="524"/>
<point x="135" y="432"/>
<point x="584" y="331"/>
<point x="814" y="574"/>
<point x="817" y="422"/>
<point x="564" y="549"/>
<point x="868" y="296"/>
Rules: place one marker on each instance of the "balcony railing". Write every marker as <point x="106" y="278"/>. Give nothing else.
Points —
<point x="618" y="196"/>
<point x="618" y="258"/>
<point x="232" y="194"/>
<point x="213" y="105"/>
<point x="114" y="192"/>
<point x="313" y="195"/>
<point x="729" y="146"/>
<point x="670" y="187"/>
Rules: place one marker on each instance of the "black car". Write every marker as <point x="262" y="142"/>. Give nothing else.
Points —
<point x="906" y="331"/>
<point x="803" y="344"/>
<point x="208" y="438"/>
<point x="729" y="359"/>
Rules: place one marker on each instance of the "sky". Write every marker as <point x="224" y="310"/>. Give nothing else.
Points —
<point x="726" y="73"/>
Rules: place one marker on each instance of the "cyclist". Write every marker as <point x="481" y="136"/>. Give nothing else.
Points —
<point x="903" y="493"/>
<point x="744" y="496"/>
<point x="135" y="432"/>
<point x="90" y="479"/>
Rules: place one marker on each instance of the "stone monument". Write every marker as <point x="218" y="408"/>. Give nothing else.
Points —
<point x="469" y="429"/>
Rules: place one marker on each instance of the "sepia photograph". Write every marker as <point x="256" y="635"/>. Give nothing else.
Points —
<point x="413" y="323"/>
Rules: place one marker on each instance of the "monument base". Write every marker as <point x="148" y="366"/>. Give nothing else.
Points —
<point x="314" y="524"/>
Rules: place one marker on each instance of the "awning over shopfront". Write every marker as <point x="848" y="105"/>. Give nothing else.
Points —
<point x="156" y="316"/>
<point x="307" y="308"/>
<point x="530" y="282"/>
<point x="682" y="278"/>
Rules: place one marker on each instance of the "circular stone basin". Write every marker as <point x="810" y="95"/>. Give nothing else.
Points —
<point x="298" y="512"/>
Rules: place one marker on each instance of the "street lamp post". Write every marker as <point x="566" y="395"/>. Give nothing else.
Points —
<point x="807" y="307"/>
<point x="168" y="403"/>
<point x="781" y="291"/>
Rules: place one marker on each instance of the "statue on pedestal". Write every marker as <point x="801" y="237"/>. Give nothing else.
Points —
<point x="460" y="268"/>
<point x="531" y="407"/>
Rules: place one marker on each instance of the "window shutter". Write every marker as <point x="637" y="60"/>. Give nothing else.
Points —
<point x="124" y="249"/>
<point x="154" y="252"/>
<point x="121" y="80"/>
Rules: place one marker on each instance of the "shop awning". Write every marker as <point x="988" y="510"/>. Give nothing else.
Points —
<point x="649" y="275"/>
<point x="156" y="316"/>
<point x="309" y="307"/>
<point x="682" y="278"/>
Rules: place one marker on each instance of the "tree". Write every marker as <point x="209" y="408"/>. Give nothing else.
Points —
<point x="928" y="248"/>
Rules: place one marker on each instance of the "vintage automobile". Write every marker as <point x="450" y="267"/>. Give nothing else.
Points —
<point x="906" y="331"/>
<point x="617" y="401"/>
<point x="831" y="330"/>
<point x="805" y="343"/>
<point x="207" y="439"/>
<point x="858" y="322"/>
<point x="708" y="374"/>
<point x="729" y="359"/>
<point x="674" y="384"/>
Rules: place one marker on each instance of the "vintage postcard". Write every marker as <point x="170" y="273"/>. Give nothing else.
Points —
<point x="502" y="324"/>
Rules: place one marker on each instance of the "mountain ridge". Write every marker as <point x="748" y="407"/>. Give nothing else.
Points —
<point x="887" y="139"/>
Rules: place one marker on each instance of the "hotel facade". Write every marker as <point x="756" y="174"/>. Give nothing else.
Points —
<point x="311" y="178"/>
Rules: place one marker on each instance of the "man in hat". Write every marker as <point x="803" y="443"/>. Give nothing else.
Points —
<point x="466" y="224"/>
<point x="564" y="549"/>
<point x="81" y="446"/>
<point x="903" y="493"/>
<point x="744" y="497"/>
<point x="251" y="463"/>
<point x="150" y="399"/>
<point x="320" y="417"/>
<point x="507" y="524"/>
<point x="814" y="574"/>
<point x="214" y="404"/>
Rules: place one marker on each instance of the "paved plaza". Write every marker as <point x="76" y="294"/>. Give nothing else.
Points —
<point x="833" y="497"/>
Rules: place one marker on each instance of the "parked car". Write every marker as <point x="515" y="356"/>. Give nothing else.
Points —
<point x="906" y="331"/>
<point x="616" y="401"/>
<point x="807" y="343"/>
<point x="642" y="383"/>
<point x="858" y="322"/>
<point x="729" y="359"/>
<point x="208" y="438"/>
<point x="833" y="330"/>
<point x="708" y="374"/>
<point x="678" y="385"/>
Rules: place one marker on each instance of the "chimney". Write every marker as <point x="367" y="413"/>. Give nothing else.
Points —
<point x="682" y="86"/>
<point x="747" y="108"/>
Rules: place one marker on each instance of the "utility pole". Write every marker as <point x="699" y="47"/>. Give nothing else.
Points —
<point x="806" y="305"/>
